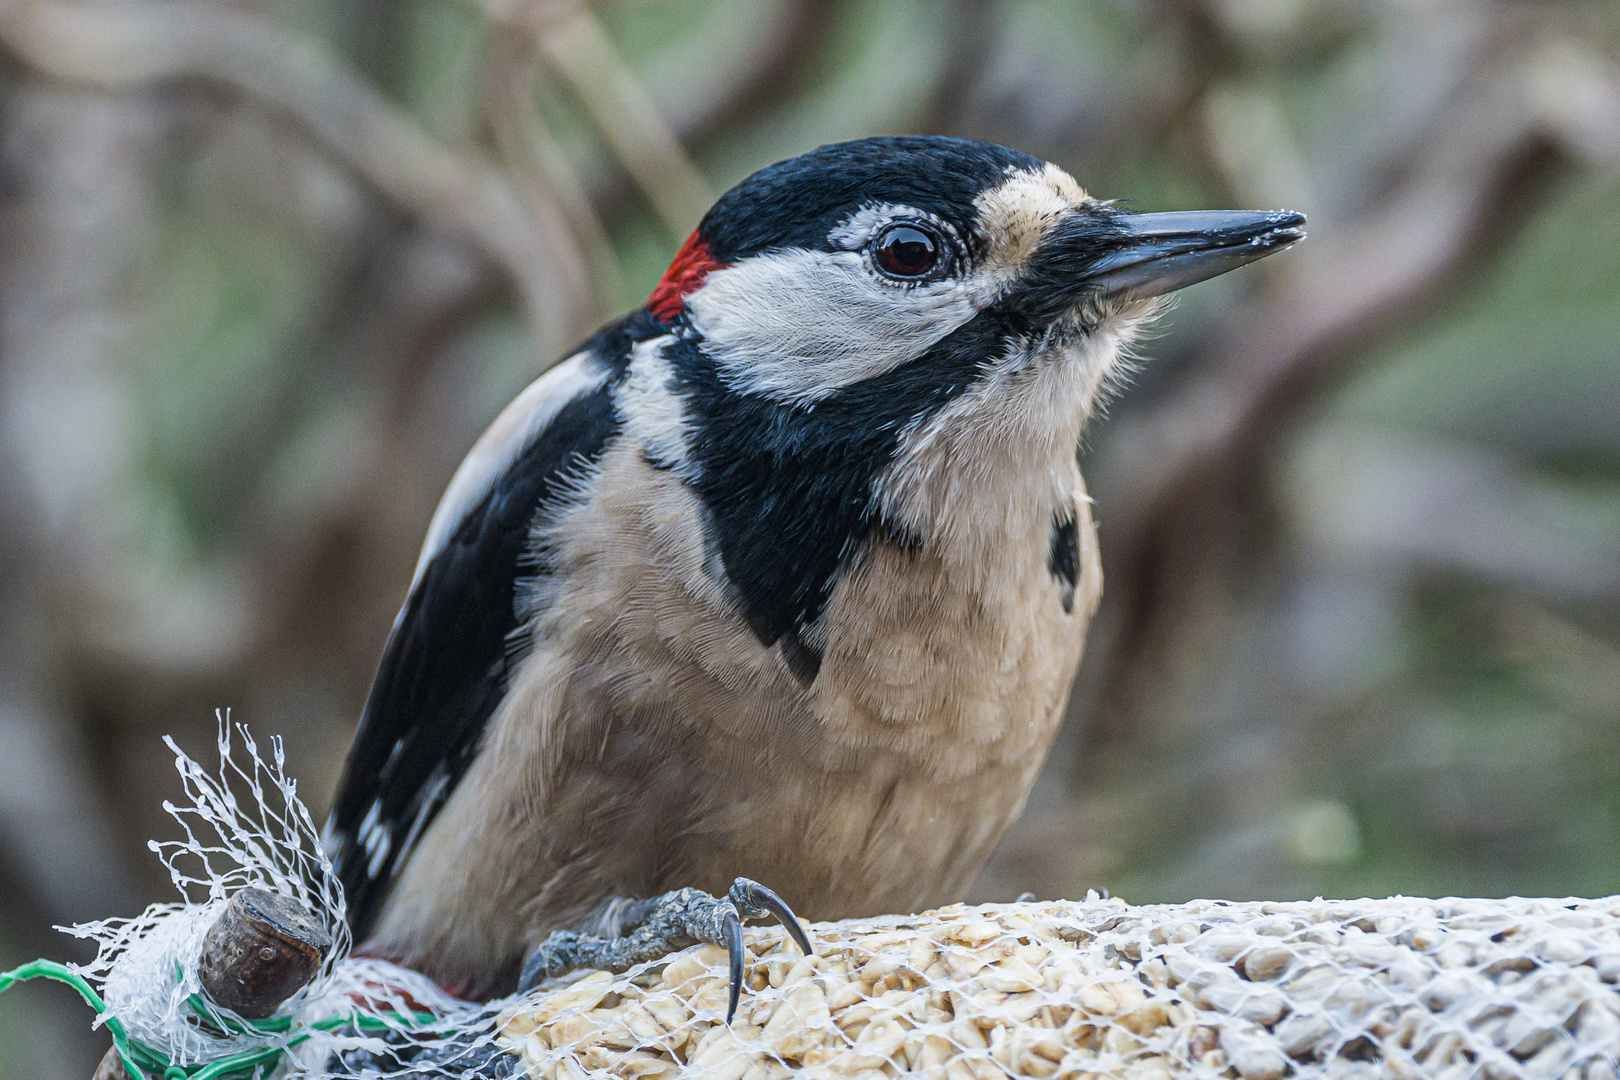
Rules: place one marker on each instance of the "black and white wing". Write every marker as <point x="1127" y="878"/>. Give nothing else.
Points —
<point x="445" y="667"/>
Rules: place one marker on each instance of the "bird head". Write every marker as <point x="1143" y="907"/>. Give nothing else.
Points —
<point x="901" y="336"/>
<point x="847" y="263"/>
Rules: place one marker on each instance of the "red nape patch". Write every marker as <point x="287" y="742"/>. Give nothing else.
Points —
<point x="692" y="264"/>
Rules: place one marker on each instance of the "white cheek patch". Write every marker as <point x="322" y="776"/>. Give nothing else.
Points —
<point x="500" y="445"/>
<point x="798" y="325"/>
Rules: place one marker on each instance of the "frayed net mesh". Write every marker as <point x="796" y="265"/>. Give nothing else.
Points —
<point x="245" y="826"/>
<point x="1091" y="989"/>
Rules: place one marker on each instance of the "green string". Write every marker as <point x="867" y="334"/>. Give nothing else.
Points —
<point x="136" y="1056"/>
<point x="144" y="1063"/>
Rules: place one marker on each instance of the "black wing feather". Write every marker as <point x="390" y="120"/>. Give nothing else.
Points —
<point x="445" y="667"/>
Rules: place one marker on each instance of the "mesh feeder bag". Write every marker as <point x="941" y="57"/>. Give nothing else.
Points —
<point x="1367" y="988"/>
<point x="1090" y="989"/>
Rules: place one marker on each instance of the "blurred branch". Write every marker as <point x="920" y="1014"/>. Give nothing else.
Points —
<point x="538" y="164"/>
<point x="1354" y="286"/>
<point x="972" y="44"/>
<point x="1191" y="468"/>
<point x="143" y="43"/>
<point x="1578" y="669"/>
<point x="574" y="42"/>
<point x="579" y="48"/>
<point x="1249" y="141"/>
<point x="740" y="64"/>
<point x="1445" y="505"/>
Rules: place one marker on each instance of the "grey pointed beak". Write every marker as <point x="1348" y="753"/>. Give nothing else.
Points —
<point x="1160" y="253"/>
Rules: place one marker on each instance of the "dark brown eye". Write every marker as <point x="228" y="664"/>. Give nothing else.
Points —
<point x="905" y="251"/>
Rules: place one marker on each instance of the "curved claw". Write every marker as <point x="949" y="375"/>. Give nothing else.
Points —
<point x="731" y="930"/>
<point x="755" y="899"/>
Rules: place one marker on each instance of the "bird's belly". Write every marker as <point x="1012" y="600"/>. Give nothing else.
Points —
<point x="891" y="843"/>
<point x="677" y="789"/>
<point x="650" y="741"/>
<point x="880" y="785"/>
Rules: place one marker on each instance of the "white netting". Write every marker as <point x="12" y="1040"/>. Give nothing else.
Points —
<point x="247" y="827"/>
<point x="1398" y="987"/>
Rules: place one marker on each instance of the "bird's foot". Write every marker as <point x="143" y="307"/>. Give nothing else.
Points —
<point x="644" y="930"/>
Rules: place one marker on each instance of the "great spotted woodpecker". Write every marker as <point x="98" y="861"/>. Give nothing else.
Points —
<point x="784" y="576"/>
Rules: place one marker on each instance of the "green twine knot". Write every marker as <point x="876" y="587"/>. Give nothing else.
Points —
<point x="142" y="1062"/>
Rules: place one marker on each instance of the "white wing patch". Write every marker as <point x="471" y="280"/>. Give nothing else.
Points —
<point x="428" y="802"/>
<point x="496" y="449"/>
<point x="376" y="838"/>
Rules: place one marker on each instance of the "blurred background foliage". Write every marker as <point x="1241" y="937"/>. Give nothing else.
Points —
<point x="268" y="267"/>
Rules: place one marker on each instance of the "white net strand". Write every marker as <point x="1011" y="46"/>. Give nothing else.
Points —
<point x="246" y="827"/>
<point x="146" y="967"/>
